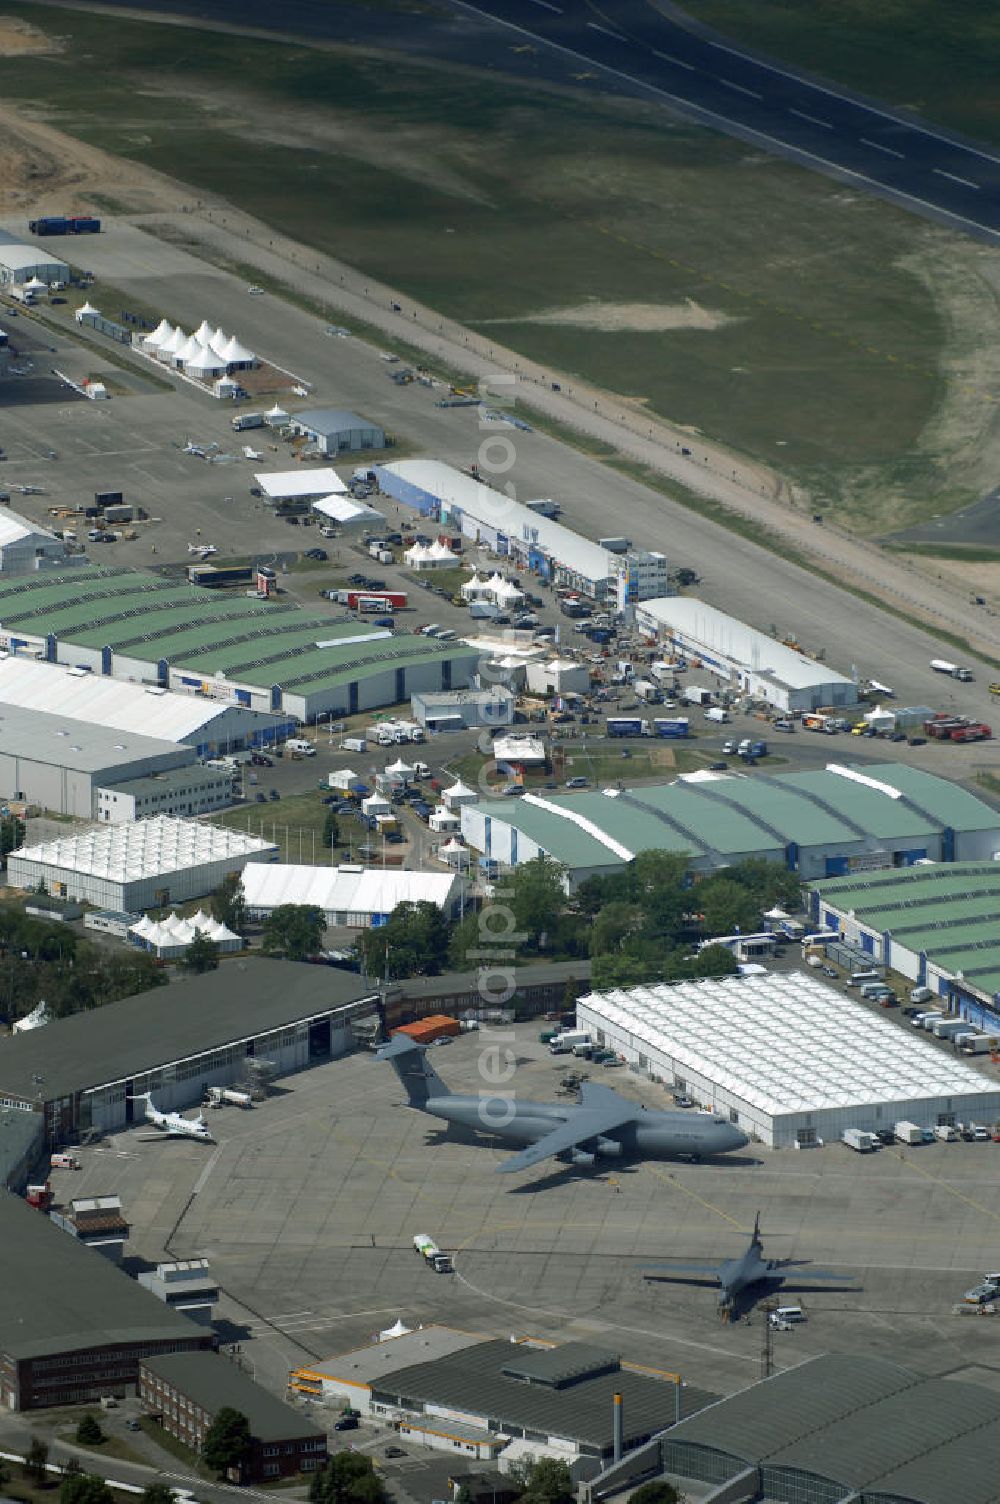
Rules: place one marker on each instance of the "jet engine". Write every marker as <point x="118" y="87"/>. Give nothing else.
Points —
<point x="609" y="1148"/>
<point x="582" y="1158"/>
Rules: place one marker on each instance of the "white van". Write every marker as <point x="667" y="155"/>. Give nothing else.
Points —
<point x="301" y="746"/>
<point x="785" y="1317"/>
<point x="354" y="744"/>
<point x="858" y="978"/>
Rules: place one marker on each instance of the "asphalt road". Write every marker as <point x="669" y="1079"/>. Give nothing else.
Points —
<point x="721" y="86"/>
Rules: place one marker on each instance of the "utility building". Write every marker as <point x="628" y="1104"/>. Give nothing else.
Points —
<point x="20" y="261"/>
<point x="336" y="432"/>
<point x="791" y="1061"/>
<point x="26" y="548"/>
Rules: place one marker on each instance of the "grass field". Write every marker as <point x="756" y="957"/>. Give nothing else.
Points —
<point x="841" y="340"/>
<point x="941" y="60"/>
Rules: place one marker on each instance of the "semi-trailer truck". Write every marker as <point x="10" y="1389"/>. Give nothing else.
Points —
<point x="953" y="670"/>
<point x="59" y="224"/>
<point x="909" y="1133"/>
<point x="432" y="1255"/>
<point x="860" y="1141"/>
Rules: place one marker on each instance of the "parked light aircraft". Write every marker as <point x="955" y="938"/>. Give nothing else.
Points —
<point x="602" y="1125"/>
<point x="733" y="1276"/>
<point x="203" y="550"/>
<point x="173" y="1124"/>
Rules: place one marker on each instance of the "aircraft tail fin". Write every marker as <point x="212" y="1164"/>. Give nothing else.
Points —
<point x="410" y="1062"/>
<point x="756" y="1229"/>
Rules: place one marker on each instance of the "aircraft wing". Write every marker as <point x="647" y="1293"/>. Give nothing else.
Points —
<point x="814" y="1276"/>
<point x="580" y="1124"/>
<point x="684" y="1273"/>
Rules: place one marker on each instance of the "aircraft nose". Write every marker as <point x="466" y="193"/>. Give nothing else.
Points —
<point x="739" y="1138"/>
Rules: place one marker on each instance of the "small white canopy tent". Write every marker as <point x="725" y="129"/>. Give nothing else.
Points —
<point x="276" y="417"/>
<point x="163" y="330"/>
<point x="204" y="364"/>
<point x="454" y="853"/>
<point x="460" y="793"/>
<point x="400" y="769"/>
<point x="475" y="589"/>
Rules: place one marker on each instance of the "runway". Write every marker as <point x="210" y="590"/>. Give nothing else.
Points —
<point x="912" y="163"/>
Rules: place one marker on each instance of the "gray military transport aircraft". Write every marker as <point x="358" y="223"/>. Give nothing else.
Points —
<point x="737" y="1275"/>
<point x="602" y="1125"/>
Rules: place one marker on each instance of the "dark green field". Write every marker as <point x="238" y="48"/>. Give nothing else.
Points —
<point x="827" y="361"/>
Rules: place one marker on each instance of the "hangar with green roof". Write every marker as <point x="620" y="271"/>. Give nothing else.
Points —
<point x="936" y="925"/>
<point x="824" y="823"/>
<point x="267" y="655"/>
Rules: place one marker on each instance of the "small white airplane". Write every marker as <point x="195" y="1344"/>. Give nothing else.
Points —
<point x="203" y="550"/>
<point x="173" y="1125"/>
<point x="200" y="451"/>
<point x="28" y="490"/>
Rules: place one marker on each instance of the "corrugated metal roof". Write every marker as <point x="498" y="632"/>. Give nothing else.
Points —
<point x="136" y="849"/>
<point x="79" y="745"/>
<point x="773" y="1415"/>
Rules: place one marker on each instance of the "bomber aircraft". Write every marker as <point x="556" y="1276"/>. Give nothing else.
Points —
<point x="602" y="1125"/>
<point x="734" y="1276"/>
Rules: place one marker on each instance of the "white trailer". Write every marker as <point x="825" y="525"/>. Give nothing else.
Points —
<point x="859" y="1140"/>
<point x="431" y="1254"/>
<point x="909" y="1133"/>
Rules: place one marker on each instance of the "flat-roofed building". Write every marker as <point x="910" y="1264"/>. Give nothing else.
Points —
<point x="335" y="431"/>
<point x="73" y="1327"/>
<point x="186" y="1391"/>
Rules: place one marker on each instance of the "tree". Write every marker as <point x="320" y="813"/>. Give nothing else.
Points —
<point x="11" y="834"/>
<point x="227" y="1442"/>
<point x="613" y="925"/>
<point x="414" y="942"/>
<point x="658" y="1491"/>
<point x="729" y="908"/>
<point x="88" y="1432"/>
<point x="84" y="1488"/>
<point x="293" y="930"/>
<point x="35" y="1461"/>
<point x="157" y="1493"/>
<point x="348" y="1478"/>
<point x="548" y="1482"/>
<point x="537" y="898"/>
<point x="229" y="905"/>
<point x="715" y="961"/>
<point x="331" y="830"/>
<point x="201" y="955"/>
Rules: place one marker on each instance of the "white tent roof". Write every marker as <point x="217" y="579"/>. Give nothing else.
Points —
<point x="290" y="485"/>
<point x="38" y="1016"/>
<point x="136" y="849"/>
<point x="505" y="591"/>
<point x="439" y="550"/>
<point x="417" y="553"/>
<point x="203" y="333"/>
<point x="276" y="414"/>
<point x="460" y="790"/>
<point x="342" y="509"/>
<point x="396" y="1330"/>
<point x="235" y="353"/>
<point x="218" y="342"/>
<point x="351" y="890"/>
<point x="35" y="284"/>
<point x="451" y="847"/>
<point x="204" y="361"/>
<point x="173" y="343"/>
<point x="163" y="330"/>
<point x="189" y="349"/>
<point x="400" y="767"/>
<point x="88" y="307"/>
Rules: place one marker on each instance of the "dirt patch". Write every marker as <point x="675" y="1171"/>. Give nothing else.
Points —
<point x="21" y="39"/>
<point x="628" y="318"/>
<point x="977" y="578"/>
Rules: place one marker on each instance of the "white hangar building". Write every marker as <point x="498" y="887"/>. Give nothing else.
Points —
<point x="788" y="1058"/>
<point x="25" y="547"/>
<point x="20" y="261"/>
<point x="75" y="694"/>
<point x="138" y="864"/>
<point x="746" y="661"/>
<point x="352" y="896"/>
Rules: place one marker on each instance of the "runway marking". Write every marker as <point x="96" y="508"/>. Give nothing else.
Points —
<point x="546" y="6"/>
<point x="857" y="104"/>
<point x="945" y="1186"/>
<point x="878" y="146"/>
<point x="699" y="112"/>
<point x="607" y="32"/>
<point x="727" y="83"/>
<point x="812" y="119"/>
<point x="965" y="182"/>
<point x="666" y="58"/>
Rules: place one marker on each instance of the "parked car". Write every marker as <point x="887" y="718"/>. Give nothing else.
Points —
<point x="682" y="1101"/>
<point x="513" y="790"/>
<point x="717" y="767"/>
<point x="394" y="1452"/>
<point x="346" y="1423"/>
<point x="292" y="521"/>
<point x="261" y="760"/>
<point x="261" y="797"/>
<point x="578" y="783"/>
<point x="319" y="554"/>
<point x="273" y="794"/>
